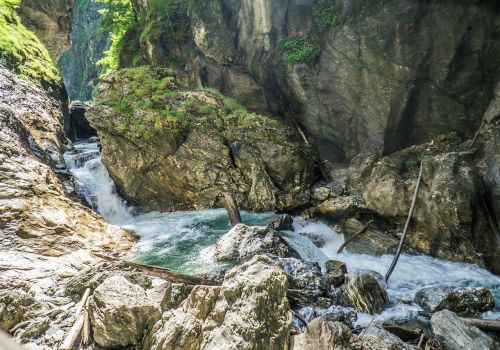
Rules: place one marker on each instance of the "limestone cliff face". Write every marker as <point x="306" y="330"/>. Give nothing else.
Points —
<point x="79" y="64"/>
<point x="51" y="22"/>
<point x="387" y="75"/>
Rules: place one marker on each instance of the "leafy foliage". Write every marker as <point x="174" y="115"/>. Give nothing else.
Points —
<point x="21" y="50"/>
<point x="118" y="17"/>
<point x="299" y="50"/>
<point x="326" y="13"/>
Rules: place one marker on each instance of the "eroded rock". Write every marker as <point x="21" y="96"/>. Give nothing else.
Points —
<point x="377" y="338"/>
<point x="121" y="311"/>
<point x="326" y="335"/>
<point x="249" y="311"/>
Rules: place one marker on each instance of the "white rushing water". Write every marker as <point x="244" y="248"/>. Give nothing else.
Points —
<point x="182" y="241"/>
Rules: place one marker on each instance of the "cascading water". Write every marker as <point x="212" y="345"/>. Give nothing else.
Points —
<point x="180" y="241"/>
<point x="183" y="242"/>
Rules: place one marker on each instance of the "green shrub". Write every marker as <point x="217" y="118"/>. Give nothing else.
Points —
<point x="299" y="50"/>
<point x="325" y="13"/>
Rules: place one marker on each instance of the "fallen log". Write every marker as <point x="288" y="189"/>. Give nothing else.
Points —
<point x="407" y="225"/>
<point x="404" y="333"/>
<point x="231" y="206"/>
<point x="485" y="325"/>
<point x="76" y="329"/>
<point x="161" y="272"/>
<point x="363" y="229"/>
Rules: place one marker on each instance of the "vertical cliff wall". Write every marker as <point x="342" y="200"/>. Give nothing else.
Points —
<point x="358" y="76"/>
<point x="79" y="64"/>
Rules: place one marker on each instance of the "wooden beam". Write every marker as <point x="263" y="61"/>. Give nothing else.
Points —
<point x="164" y="273"/>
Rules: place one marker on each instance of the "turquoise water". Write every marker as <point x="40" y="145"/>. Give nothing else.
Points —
<point x="184" y="242"/>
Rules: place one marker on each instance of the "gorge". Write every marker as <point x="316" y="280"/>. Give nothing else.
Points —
<point x="315" y="115"/>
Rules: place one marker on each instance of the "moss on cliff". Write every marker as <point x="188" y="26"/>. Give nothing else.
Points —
<point x="153" y="101"/>
<point x="20" y="49"/>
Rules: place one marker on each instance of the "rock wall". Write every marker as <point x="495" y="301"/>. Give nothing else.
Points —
<point x="51" y="22"/>
<point x="388" y="74"/>
<point x="79" y="64"/>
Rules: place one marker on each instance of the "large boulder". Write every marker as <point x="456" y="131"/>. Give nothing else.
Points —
<point x="249" y="311"/>
<point x="363" y="292"/>
<point x="121" y="311"/>
<point x="463" y="301"/>
<point x="305" y="280"/>
<point x="455" y="334"/>
<point x="377" y="338"/>
<point x="242" y="242"/>
<point x="168" y="148"/>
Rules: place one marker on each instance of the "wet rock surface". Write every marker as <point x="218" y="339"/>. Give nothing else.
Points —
<point x="333" y="313"/>
<point x="305" y="280"/>
<point x="335" y="272"/>
<point x="363" y="292"/>
<point x="462" y="301"/>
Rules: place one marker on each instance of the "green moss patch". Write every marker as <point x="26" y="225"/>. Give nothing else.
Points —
<point x="154" y="101"/>
<point x="20" y="50"/>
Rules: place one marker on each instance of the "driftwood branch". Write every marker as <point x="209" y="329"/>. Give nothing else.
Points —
<point x="363" y="229"/>
<point x="161" y="272"/>
<point x="407" y="225"/>
<point x="485" y="325"/>
<point x="231" y="206"/>
<point x="76" y="329"/>
<point x="86" y="325"/>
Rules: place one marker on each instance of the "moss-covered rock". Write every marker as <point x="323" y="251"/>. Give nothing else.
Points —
<point x="170" y="148"/>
